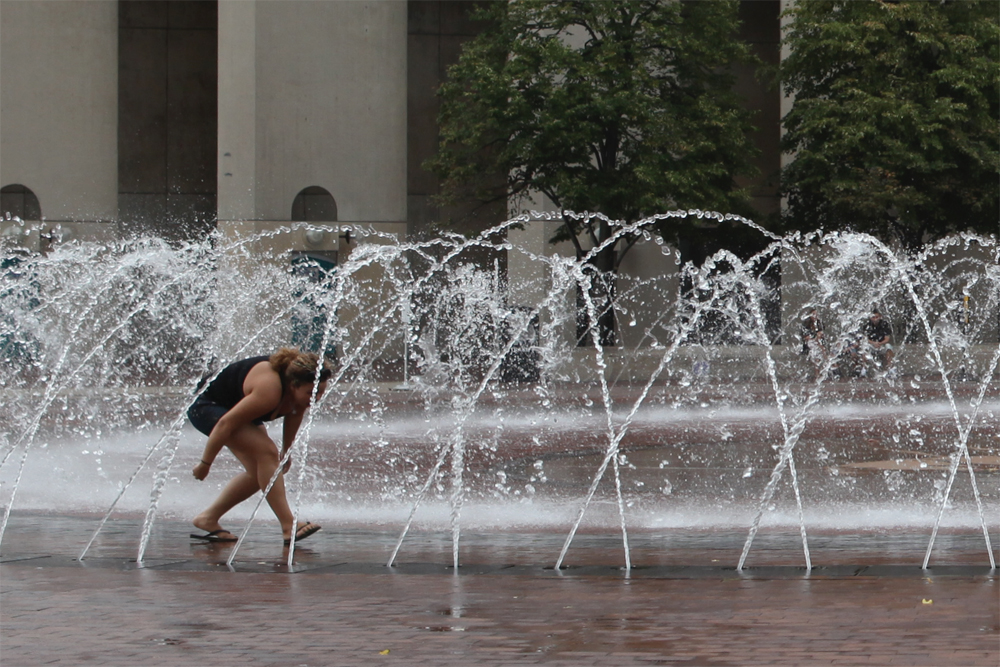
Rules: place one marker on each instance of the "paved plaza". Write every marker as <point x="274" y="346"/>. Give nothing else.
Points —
<point x="866" y="602"/>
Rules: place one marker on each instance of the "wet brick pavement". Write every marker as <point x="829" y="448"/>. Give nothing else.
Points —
<point x="341" y="606"/>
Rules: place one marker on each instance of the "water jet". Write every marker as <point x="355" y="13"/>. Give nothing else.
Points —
<point x="705" y="416"/>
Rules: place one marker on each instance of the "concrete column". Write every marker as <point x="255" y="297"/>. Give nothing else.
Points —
<point x="528" y="278"/>
<point x="237" y="110"/>
<point x="311" y="94"/>
<point x="331" y="106"/>
<point x="59" y="105"/>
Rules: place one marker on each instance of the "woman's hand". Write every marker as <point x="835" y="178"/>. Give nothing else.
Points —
<point x="201" y="470"/>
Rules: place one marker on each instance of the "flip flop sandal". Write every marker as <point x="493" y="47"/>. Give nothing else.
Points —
<point x="303" y="532"/>
<point x="214" y="536"/>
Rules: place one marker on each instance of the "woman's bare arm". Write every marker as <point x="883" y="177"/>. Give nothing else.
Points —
<point x="262" y="395"/>
<point x="290" y="428"/>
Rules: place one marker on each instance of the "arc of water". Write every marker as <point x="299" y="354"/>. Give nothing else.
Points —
<point x="174" y="427"/>
<point x="121" y="492"/>
<point x="792" y="436"/>
<point x="789" y="444"/>
<point x="963" y="433"/>
<point x="785" y="458"/>
<point x="608" y="411"/>
<point x="953" y="469"/>
<point x="302" y="436"/>
<point x="55" y="388"/>
<point x="612" y="449"/>
<point x="324" y="346"/>
<point x="457" y="441"/>
<point x="160" y="479"/>
<point x="584" y="283"/>
<point x="335" y="297"/>
<point x="547" y="303"/>
<point x="371" y="257"/>
<point x="373" y="254"/>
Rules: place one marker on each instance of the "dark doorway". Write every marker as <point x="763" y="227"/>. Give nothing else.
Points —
<point x="20" y="202"/>
<point x="314" y="204"/>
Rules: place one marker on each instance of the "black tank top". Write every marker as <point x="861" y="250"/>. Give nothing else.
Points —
<point x="227" y="388"/>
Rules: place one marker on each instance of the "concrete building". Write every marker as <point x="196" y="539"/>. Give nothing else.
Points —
<point x="171" y="117"/>
<point x="177" y="117"/>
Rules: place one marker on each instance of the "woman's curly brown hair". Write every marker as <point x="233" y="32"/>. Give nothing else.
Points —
<point x="297" y="368"/>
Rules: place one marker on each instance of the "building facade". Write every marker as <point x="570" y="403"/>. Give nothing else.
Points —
<point x="124" y="117"/>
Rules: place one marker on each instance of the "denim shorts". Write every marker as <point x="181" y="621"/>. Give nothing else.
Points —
<point x="205" y="413"/>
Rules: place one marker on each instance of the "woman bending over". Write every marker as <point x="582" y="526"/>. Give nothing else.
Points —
<point x="231" y="412"/>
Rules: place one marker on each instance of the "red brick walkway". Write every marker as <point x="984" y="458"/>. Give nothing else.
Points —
<point x="73" y="615"/>
<point x="345" y="608"/>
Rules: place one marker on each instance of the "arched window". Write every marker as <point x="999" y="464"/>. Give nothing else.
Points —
<point x="17" y="200"/>
<point x="314" y="204"/>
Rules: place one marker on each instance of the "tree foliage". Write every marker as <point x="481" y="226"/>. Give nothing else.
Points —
<point x="620" y="107"/>
<point x="894" y="125"/>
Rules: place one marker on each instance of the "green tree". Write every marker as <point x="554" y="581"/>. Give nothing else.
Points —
<point x="620" y="107"/>
<point x="894" y="125"/>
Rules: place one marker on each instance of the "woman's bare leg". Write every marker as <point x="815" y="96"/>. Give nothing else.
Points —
<point x="259" y="455"/>
<point x="239" y="488"/>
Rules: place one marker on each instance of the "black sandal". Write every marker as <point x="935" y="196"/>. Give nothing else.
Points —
<point x="215" y="536"/>
<point x="304" y="531"/>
